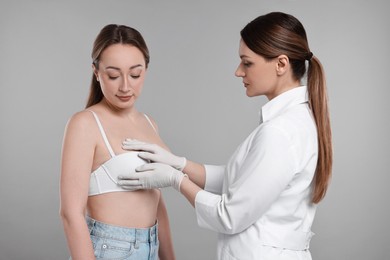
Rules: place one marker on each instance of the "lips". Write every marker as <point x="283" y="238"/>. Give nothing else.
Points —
<point x="124" y="98"/>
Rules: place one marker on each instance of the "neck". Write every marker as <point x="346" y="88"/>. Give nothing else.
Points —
<point x="283" y="86"/>
<point x="122" y="112"/>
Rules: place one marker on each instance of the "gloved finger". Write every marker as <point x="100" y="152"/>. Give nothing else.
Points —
<point x="131" y="176"/>
<point x="148" y="167"/>
<point x="126" y="182"/>
<point x="130" y="140"/>
<point x="132" y="188"/>
<point x="152" y="148"/>
<point x="148" y="156"/>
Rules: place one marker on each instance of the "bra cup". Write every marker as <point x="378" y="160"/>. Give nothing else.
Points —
<point x="124" y="163"/>
<point x="105" y="178"/>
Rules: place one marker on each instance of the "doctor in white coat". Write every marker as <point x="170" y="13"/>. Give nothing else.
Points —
<point x="263" y="201"/>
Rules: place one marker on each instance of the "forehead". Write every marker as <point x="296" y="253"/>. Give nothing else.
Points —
<point x="122" y="54"/>
<point x="244" y="51"/>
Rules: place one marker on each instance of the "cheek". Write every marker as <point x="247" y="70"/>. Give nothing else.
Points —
<point x="138" y="85"/>
<point x="263" y="77"/>
<point x="108" y="85"/>
<point x="259" y="84"/>
<point x="138" y="90"/>
<point x="256" y="80"/>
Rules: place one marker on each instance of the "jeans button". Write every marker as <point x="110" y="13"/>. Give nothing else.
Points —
<point x="104" y="246"/>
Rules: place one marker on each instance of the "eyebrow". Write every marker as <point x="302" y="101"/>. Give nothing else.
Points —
<point x="116" y="68"/>
<point x="244" y="56"/>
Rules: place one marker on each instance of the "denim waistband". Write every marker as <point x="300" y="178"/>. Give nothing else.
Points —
<point x="133" y="235"/>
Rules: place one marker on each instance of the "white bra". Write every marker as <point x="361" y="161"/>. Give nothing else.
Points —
<point x="105" y="178"/>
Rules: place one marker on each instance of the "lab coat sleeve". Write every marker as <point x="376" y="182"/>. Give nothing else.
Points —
<point x="264" y="172"/>
<point x="214" y="178"/>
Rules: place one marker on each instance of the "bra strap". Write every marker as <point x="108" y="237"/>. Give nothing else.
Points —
<point x="103" y="134"/>
<point x="150" y="122"/>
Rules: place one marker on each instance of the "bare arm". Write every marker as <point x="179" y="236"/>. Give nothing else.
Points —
<point x="77" y="158"/>
<point x="166" y="251"/>
<point x="189" y="190"/>
<point x="196" y="172"/>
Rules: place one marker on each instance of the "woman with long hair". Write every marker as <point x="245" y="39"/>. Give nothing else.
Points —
<point x="102" y="220"/>
<point x="263" y="201"/>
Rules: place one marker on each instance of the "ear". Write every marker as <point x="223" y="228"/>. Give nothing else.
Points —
<point x="95" y="71"/>
<point x="282" y="65"/>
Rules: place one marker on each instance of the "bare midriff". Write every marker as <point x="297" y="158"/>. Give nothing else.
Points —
<point x="134" y="209"/>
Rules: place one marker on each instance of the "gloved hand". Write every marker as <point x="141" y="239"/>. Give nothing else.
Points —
<point x="155" y="153"/>
<point x="151" y="176"/>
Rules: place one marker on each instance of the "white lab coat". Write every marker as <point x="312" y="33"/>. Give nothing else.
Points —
<point x="260" y="202"/>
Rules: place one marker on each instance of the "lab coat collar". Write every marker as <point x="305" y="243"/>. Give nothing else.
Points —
<point x="280" y="103"/>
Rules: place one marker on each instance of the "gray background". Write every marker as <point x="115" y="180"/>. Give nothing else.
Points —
<point x="201" y="108"/>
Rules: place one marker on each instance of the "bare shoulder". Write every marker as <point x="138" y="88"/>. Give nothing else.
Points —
<point x="81" y="122"/>
<point x="82" y="118"/>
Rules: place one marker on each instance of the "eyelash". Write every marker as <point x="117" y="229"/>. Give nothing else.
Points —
<point x="247" y="64"/>
<point x="134" y="77"/>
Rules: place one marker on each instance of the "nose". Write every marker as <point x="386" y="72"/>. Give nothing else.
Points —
<point x="125" y="85"/>
<point x="239" y="71"/>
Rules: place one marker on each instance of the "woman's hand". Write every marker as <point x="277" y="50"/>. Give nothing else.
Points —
<point x="151" y="176"/>
<point x="155" y="153"/>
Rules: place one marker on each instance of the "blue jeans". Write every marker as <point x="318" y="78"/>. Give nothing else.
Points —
<point x="121" y="243"/>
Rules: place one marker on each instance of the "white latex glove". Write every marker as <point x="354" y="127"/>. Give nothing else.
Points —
<point x="151" y="176"/>
<point x="155" y="153"/>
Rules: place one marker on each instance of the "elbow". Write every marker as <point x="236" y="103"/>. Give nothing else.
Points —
<point x="62" y="213"/>
<point x="233" y="230"/>
<point x="220" y="215"/>
<point x="231" y="220"/>
<point x="69" y="216"/>
<point x="65" y="216"/>
<point x="233" y="224"/>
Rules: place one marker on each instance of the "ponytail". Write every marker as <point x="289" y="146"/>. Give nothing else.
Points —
<point x="318" y="100"/>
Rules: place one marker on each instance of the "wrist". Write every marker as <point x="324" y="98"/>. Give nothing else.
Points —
<point x="178" y="178"/>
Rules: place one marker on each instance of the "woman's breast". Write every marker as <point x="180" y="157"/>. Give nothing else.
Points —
<point x="137" y="209"/>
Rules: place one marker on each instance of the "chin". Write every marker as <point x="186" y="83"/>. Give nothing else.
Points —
<point x="250" y="94"/>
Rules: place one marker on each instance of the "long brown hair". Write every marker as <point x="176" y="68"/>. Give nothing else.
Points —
<point x="109" y="35"/>
<point x="278" y="33"/>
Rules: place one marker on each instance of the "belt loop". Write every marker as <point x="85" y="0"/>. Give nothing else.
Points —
<point x="91" y="223"/>
<point x="156" y="233"/>
<point x="150" y="233"/>
<point x="136" y="244"/>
